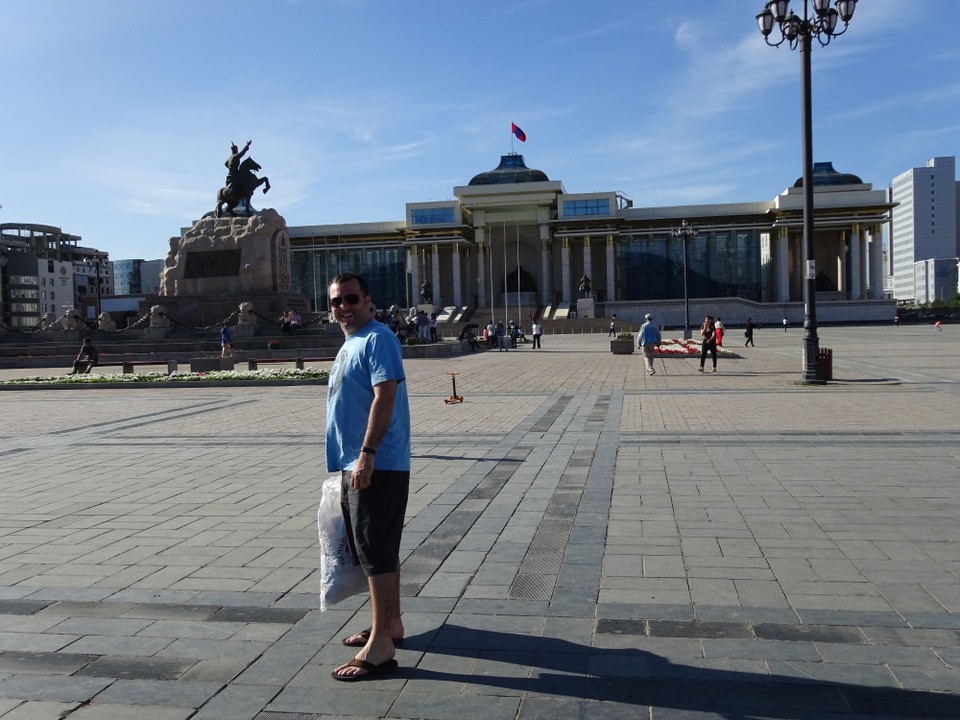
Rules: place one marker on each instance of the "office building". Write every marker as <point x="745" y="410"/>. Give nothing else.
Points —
<point x="924" y="229"/>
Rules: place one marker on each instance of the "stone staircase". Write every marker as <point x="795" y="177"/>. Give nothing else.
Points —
<point x="58" y="348"/>
<point x="566" y="326"/>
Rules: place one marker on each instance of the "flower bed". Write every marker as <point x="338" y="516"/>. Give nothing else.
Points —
<point x="214" y="376"/>
<point x="680" y="348"/>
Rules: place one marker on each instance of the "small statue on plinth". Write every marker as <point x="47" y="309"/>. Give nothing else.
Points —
<point x="158" y="317"/>
<point x="426" y="292"/>
<point x="241" y="182"/>
<point x="245" y="314"/>
<point x="585" y="286"/>
<point x="72" y="320"/>
<point x="106" y="323"/>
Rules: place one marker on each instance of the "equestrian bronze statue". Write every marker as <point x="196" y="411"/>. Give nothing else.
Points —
<point x="241" y="183"/>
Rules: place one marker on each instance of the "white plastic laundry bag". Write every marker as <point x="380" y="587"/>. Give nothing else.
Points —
<point x="340" y="576"/>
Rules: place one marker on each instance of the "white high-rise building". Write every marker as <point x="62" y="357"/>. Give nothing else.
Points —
<point x="923" y="227"/>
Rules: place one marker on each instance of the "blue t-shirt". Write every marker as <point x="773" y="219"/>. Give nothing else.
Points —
<point x="369" y="357"/>
<point x="649" y="334"/>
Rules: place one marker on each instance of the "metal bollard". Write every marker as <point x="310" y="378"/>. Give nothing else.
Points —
<point x="126" y="368"/>
<point x="171" y="367"/>
<point x="299" y="363"/>
<point x="251" y="364"/>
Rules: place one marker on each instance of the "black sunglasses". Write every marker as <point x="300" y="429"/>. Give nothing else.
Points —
<point x="351" y="299"/>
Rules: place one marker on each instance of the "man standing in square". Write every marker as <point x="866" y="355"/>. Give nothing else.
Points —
<point x="368" y="442"/>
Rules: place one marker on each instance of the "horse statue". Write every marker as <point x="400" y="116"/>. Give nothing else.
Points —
<point x="585" y="286"/>
<point x="246" y="183"/>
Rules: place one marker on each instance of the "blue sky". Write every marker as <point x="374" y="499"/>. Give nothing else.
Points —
<point x="118" y="114"/>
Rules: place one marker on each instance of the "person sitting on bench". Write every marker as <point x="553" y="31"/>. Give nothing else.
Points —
<point x="86" y="358"/>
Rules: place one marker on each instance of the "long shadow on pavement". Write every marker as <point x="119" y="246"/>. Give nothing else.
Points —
<point x="563" y="669"/>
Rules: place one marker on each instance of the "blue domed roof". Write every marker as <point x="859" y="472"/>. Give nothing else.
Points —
<point x="510" y="170"/>
<point x="825" y="175"/>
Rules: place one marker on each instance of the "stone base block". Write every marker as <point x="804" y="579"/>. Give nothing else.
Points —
<point x="208" y="364"/>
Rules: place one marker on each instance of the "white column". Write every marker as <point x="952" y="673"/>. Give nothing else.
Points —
<point x="853" y="251"/>
<point x="435" y="271"/>
<point x="611" y="274"/>
<point x="467" y="289"/>
<point x="546" y="257"/>
<point x="876" y="263"/>
<point x="565" y="269"/>
<point x="414" y="255"/>
<point x="457" y="290"/>
<point x="587" y="264"/>
<point x="842" y="266"/>
<point x="544" y="273"/>
<point x="864" y="267"/>
<point x="481" y="267"/>
<point x="783" y="266"/>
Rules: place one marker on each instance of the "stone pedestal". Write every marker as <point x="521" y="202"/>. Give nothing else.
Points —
<point x="586" y="308"/>
<point x="222" y="262"/>
<point x="156" y="333"/>
<point x="210" y="364"/>
<point x="244" y="331"/>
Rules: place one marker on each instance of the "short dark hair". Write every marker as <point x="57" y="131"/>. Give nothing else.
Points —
<point x="347" y="277"/>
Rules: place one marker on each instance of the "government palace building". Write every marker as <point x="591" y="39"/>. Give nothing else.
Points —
<point x="513" y="241"/>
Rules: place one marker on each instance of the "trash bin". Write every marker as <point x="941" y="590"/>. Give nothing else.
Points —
<point x="825" y="364"/>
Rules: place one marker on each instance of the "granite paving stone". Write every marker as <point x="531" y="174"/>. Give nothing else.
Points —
<point x="159" y="692"/>
<point x="40" y="710"/>
<point x="600" y="544"/>
<point x="108" y="711"/>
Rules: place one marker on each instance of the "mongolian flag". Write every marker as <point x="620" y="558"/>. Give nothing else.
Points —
<point x="521" y="135"/>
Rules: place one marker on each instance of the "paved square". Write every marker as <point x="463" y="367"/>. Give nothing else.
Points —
<point x="582" y="540"/>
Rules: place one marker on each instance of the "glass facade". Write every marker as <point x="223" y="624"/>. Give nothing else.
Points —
<point x="126" y="277"/>
<point x="720" y="264"/>
<point x="384" y="268"/>
<point x="574" y="208"/>
<point x="432" y="216"/>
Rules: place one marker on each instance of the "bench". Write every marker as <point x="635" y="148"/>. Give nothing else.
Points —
<point x="126" y="366"/>
<point x="298" y="362"/>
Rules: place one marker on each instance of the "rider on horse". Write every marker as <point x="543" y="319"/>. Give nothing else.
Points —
<point x="241" y="182"/>
<point x="233" y="164"/>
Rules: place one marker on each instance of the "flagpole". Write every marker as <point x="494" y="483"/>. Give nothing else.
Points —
<point x="490" y="260"/>
<point x="518" y="275"/>
<point x="506" y="290"/>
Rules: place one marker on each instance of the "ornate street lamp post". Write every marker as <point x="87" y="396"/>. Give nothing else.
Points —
<point x="97" y="262"/>
<point x="684" y="233"/>
<point x="799" y="32"/>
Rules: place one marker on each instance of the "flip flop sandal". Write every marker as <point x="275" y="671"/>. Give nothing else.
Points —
<point x="364" y="635"/>
<point x="372" y="671"/>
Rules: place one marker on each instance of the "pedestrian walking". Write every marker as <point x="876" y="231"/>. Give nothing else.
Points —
<point x="748" y="332"/>
<point x="718" y="326"/>
<point x="649" y="339"/>
<point x="226" y="341"/>
<point x="708" y="342"/>
<point x="537" y="332"/>
<point x="784" y="324"/>
<point x="613" y="326"/>
<point x="368" y="443"/>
